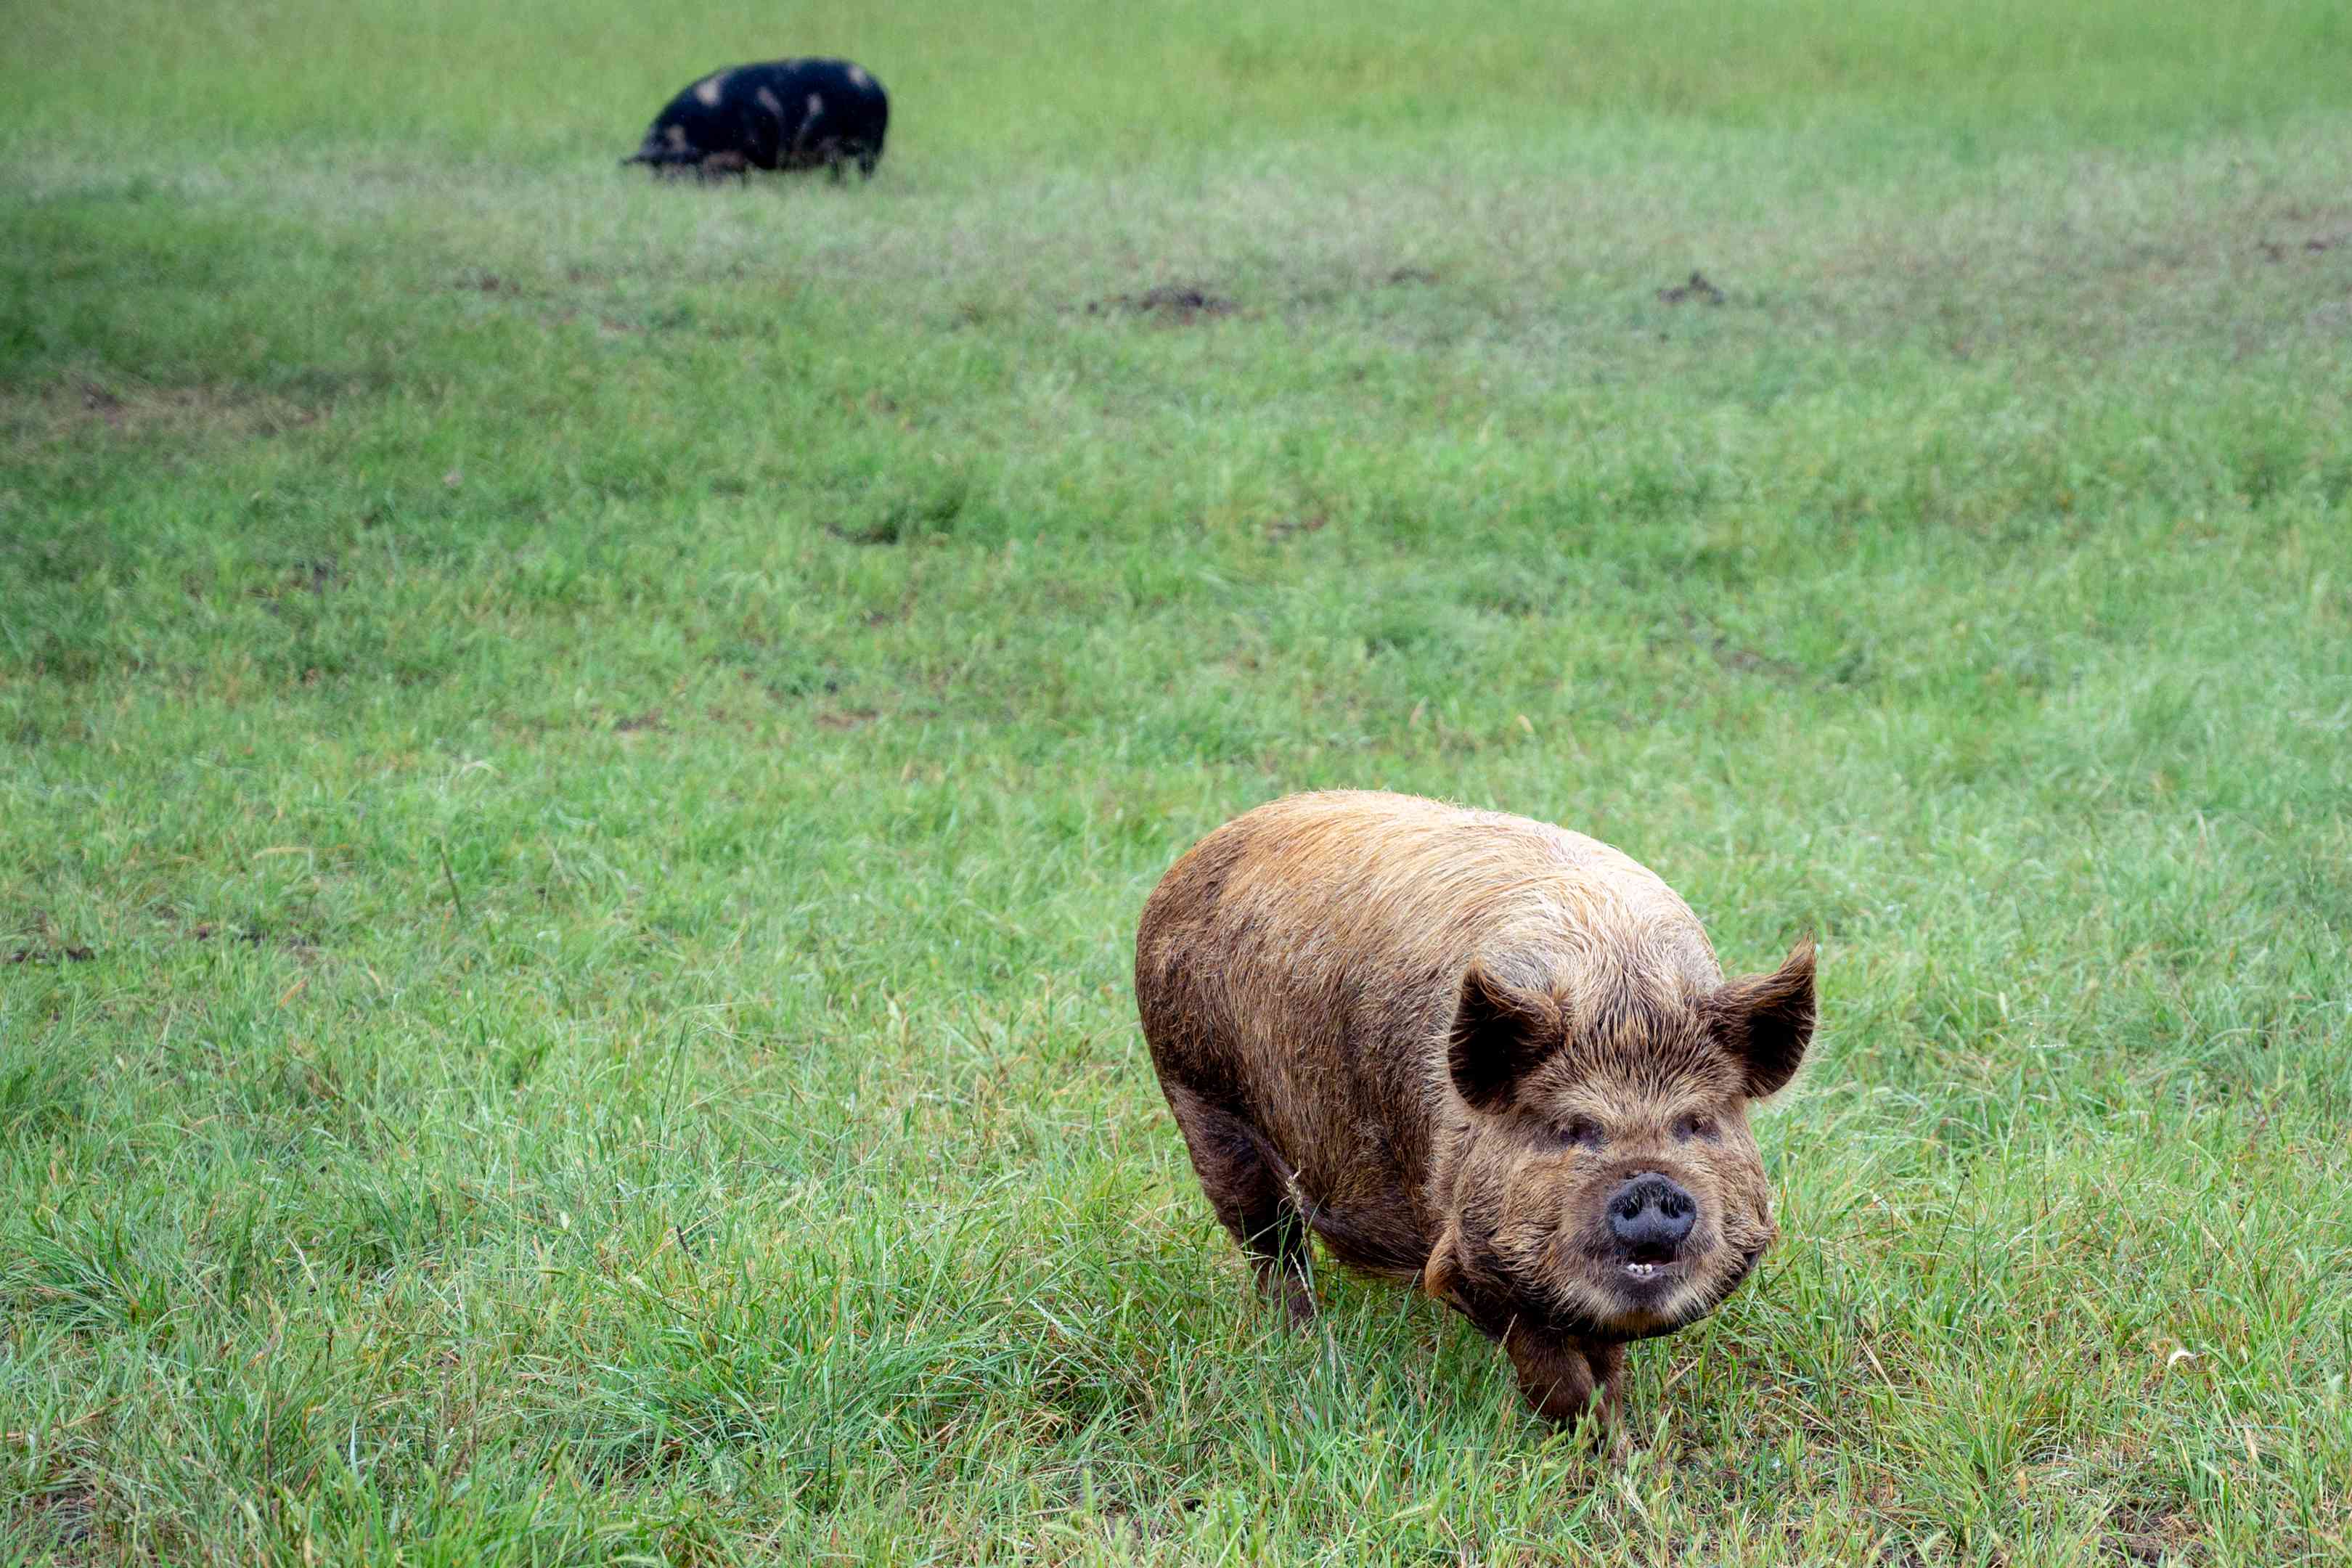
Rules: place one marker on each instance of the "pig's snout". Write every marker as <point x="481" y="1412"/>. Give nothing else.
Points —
<point x="1650" y="1216"/>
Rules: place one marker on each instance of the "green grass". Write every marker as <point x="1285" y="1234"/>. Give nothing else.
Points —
<point x="578" y="762"/>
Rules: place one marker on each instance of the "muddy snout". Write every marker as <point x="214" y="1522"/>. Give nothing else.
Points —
<point x="1650" y="1217"/>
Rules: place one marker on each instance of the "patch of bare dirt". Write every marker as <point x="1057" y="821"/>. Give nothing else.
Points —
<point x="63" y="1520"/>
<point x="2145" y="1536"/>
<point x="300" y="944"/>
<point x="312" y="576"/>
<point x="65" y="411"/>
<point x="1744" y="660"/>
<point x="2153" y="1536"/>
<point x="848" y="718"/>
<point x="1698" y="291"/>
<point x="2276" y="250"/>
<point x="52" y="955"/>
<point x="1177" y="305"/>
<point x="606" y="326"/>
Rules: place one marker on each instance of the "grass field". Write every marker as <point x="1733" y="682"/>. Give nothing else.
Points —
<point x="578" y="762"/>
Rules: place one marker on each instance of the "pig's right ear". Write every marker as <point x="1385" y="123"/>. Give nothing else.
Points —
<point x="1499" y="1033"/>
<point x="1766" y="1021"/>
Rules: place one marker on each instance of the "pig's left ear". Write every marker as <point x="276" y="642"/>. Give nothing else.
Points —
<point x="1765" y="1021"/>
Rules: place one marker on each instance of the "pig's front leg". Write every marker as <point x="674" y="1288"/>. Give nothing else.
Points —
<point x="1565" y="1380"/>
<point x="1608" y="1359"/>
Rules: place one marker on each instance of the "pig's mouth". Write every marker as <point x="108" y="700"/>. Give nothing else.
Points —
<point x="1649" y="1277"/>
<point x="1646" y="1286"/>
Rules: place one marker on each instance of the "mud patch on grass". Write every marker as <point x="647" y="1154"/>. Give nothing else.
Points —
<point x="61" y="1521"/>
<point x="79" y="410"/>
<point x="1694" y="290"/>
<point x="52" y="955"/>
<point x="846" y="718"/>
<point x="2144" y="1538"/>
<point x="2276" y="250"/>
<point x="1742" y="660"/>
<point x="299" y="945"/>
<point x="919" y="511"/>
<point x="1179" y="305"/>
<point x="606" y="327"/>
<point x="312" y="575"/>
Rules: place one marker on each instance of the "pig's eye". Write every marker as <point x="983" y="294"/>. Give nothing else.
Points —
<point x="1694" y="1125"/>
<point x="1580" y="1132"/>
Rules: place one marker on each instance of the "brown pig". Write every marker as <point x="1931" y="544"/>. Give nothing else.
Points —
<point x="1473" y="1050"/>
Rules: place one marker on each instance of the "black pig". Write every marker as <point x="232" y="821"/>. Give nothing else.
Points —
<point x="782" y="114"/>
